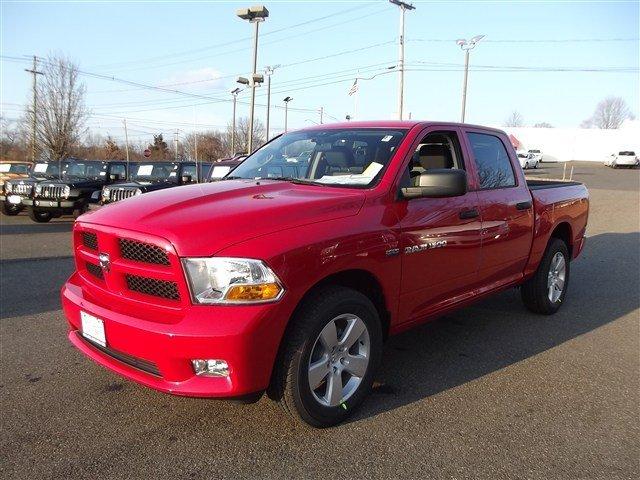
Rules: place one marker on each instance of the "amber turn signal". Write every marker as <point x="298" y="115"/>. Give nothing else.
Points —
<point x="261" y="292"/>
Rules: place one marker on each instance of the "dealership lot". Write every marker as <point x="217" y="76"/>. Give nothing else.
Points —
<point x="489" y="391"/>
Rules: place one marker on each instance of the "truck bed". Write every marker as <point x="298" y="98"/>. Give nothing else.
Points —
<point x="542" y="184"/>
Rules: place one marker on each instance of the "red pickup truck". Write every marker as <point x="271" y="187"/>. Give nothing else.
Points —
<point x="287" y="276"/>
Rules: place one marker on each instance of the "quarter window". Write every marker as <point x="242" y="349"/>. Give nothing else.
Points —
<point x="492" y="161"/>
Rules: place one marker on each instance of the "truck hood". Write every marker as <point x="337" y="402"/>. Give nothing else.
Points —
<point x="202" y="219"/>
<point x="145" y="186"/>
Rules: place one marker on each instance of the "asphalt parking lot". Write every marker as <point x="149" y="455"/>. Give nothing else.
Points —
<point x="491" y="391"/>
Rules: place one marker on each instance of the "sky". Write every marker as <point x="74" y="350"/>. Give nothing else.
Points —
<point x="550" y="60"/>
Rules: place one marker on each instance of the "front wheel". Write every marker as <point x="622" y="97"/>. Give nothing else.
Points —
<point x="40" y="216"/>
<point x="10" y="209"/>
<point x="330" y="356"/>
<point x="545" y="291"/>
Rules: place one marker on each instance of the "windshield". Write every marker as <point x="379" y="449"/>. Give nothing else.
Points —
<point x="154" y="172"/>
<point x="84" y="170"/>
<point x="341" y="157"/>
<point x="627" y="153"/>
<point x="46" y="170"/>
<point x="19" y="168"/>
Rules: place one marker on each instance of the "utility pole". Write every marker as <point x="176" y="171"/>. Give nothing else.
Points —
<point x="286" y="111"/>
<point x="466" y="46"/>
<point x="126" y="145"/>
<point x="403" y="7"/>
<point x="268" y="71"/>
<point x="34" y="71"/>
<point x="233" y="125"/>
<point x="321" y="111"/>
<point x="175" y="143"/>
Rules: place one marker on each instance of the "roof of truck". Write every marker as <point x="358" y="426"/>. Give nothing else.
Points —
<point x="404" y="124"/>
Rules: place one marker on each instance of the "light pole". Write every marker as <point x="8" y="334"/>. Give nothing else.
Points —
<point x="286" y="111"/>
<point x="255" y="15"/>
<point x="268" y="71"/>
<point x="234" y="93"/>
<point x="466" y="45"/>
<point x="403" y="7"/>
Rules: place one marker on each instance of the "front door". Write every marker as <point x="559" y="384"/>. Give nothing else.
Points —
<point x="439" y="237"/>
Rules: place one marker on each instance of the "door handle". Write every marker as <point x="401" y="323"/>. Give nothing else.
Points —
<point x="469" y="213"/>
<point x="524" y="205"/>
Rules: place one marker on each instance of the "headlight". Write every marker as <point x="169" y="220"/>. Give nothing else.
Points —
<point x="231" y="280"/>
<point x="106" y="193"/>
<point x="138" y="192"/>
<point x="66" y="192"/>
<point x="8" y="187"/>
<point x="38" y="189"/>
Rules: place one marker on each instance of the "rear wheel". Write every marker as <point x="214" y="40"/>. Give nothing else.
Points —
<point x="545" y="291"/>
<point x="330" y="356"/>
<point x="11" y="210"/>
<point x="40" y="216"/>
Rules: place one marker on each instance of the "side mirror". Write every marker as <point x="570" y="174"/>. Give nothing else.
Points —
<point x="186" y="179"/>
<point x="443" y="182"/>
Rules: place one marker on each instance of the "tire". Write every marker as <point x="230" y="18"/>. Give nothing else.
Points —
<point x="536" y="292"/>
<point x="291" y="382"/>
<point x="10" y="210"/>
<point x="39" y="216"/>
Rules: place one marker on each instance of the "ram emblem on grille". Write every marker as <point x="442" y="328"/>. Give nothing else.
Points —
<point x="105" y="262"/>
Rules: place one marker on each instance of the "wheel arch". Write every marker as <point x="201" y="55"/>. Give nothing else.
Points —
<point x="563" y="231"/>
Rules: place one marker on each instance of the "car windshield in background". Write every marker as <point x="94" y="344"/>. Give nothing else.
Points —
<point x="84" y="170"/>
<point x="348" y="157"/>
<point x="19" y="168"/>
<point x="154" y="172"/>
<point x="627" y="153"/>
<point x="46" y="170"/>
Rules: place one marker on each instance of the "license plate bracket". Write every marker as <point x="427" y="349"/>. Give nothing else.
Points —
<point x="93" y="329"/>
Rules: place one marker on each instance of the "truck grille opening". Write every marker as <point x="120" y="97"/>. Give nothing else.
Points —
<point x="142" y="252"/>
<point x="90" y="240"/>
<point x="51" y="191"/>
<point x="140" y="364"/>
<point x="117" y="194"/>
<point x="22" y="189"/>
<point x="153" y="286"/>
<point x="95" y="270"/>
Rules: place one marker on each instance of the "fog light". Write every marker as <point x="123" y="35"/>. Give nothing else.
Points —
<point x="211" y="368"/>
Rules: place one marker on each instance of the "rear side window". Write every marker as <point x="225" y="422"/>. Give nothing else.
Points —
<point x="492" y="161"/>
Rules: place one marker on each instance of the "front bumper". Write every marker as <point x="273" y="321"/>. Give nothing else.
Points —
<point x="246" y="337"/>
<point x="47" y="203"/>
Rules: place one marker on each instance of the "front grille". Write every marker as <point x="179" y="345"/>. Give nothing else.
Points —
<point x="142" y="252"/>
<point x="51" y="191"/>
<point x="153" y="286"/>
<point x="90" y="240"/>
<point x="95" y="270"/>
<point x="144" y="365"/>
<point x="120" y="193"/>
<point x="22" y="189"/>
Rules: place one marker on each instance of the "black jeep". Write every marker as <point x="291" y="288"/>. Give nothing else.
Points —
<point x="17" y="192"/>
<point x="150" y="176"/>
<point x="79" y="184"/>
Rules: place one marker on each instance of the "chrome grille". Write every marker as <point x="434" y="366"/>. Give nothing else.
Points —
<point x="120" y="193"/>
<point x="90" y="240"/>
<point x="153" y="286"/>
<point x="142" y="252"/>
<point x="22" y="189"/>
<point x="51" y="191"/>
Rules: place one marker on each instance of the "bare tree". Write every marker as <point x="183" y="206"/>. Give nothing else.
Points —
<point x="242" y="135"/>
<point x="515" y="119"/>
<point x="13" y="141"/>
<point x="210" y="146"/>
<point x="61" y="111"/>
<point x="609" y="113"/>
<point x="542" y="125"/>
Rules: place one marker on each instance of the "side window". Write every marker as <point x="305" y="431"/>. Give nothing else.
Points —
<point x="436" y="150"/>
<point x="119" y="169"/>
<point x="492" y="161"/>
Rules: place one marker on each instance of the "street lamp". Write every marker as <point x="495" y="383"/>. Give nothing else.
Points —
<point x="466" y="45"/>
<point x="268" y="71"/>
<point x="254" y="15"/>
<point x="403" y="7"/>
<point x="286" y="111"/>
<point x="235" y="93"/>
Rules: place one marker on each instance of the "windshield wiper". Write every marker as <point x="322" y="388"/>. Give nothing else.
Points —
<point x="300" y="181"/>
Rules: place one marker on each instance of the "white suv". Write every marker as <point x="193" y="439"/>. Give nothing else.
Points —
<point x="625" y="158"/>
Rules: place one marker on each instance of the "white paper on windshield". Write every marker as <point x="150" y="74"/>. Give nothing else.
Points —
<point x="40" y="167"/>
<point x="346" y="179"/>
<point x="5" y="167"/>
<point x="173" y="174"/>
<point x="372" y="170"/>
<point x="144" y="170"/>
<point x="103" y="174"/>
<point x="219" y="172"/>
<point x="386" y="138"/>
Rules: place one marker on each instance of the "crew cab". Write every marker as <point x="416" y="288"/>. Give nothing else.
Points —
<point x="78" y="185"/>
<point x="286" y="277"/>
<point x="626" y="158"/>
<point x="17" y="192"/>
<point x="151" y="176"/>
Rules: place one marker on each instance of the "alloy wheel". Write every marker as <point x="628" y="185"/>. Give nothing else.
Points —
<point x="556" y="277"/>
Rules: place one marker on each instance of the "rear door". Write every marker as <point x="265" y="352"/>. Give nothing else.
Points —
<point x="505" y="206"/>
<point x="439" y="237"/>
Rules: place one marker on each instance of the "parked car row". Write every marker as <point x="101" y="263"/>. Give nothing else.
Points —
<point x="52" y="189"/>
